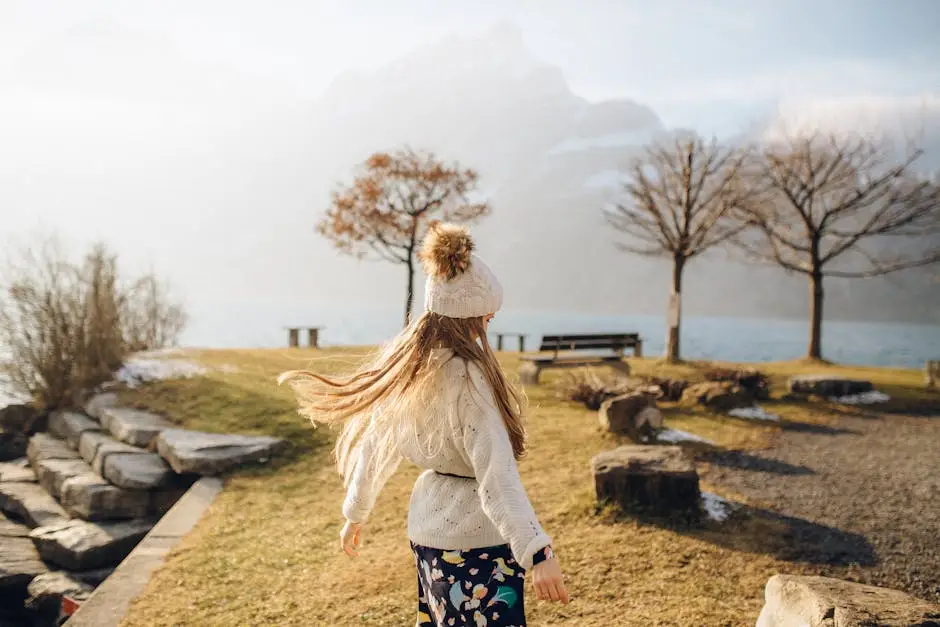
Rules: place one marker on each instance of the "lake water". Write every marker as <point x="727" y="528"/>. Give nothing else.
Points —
<point x="730" y="339"/>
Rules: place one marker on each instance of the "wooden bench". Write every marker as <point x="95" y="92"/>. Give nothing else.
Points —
<point x="556" y="352"/>
<point x="313" y="336"/>
<point x="499" y="340"/>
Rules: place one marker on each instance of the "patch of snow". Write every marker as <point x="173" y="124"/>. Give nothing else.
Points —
<point x="605" y="179"/>
<point x="611" y="140"/>
<point x="717" y="508"/>
<point x="865" y="398"/>
<point x="143" y="368"/>
<point x="754" y="413"/>
<point x="675" y="436"/>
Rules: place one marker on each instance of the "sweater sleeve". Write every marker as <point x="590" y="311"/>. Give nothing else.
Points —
<point x="502" y="495"/>
<point x="367" y="481"/>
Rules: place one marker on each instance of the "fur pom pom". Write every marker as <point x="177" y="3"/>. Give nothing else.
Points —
<point x="446" y="251"/>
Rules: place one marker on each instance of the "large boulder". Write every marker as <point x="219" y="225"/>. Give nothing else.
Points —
<point x="213" y="453"/>
<point x="655" y="479"/>
<point x="136" y="472"/>
<point x="634" y="415"/>
<point x="17" y="470"/>
<point x="90" y="497"/>
<point x="828" y="386"/>
<point x="96" y="447"/>
<point x="30" y="503"/>
<point x="53" y="473"/>
<point x="718" y="396"/>
<point x="43" y="446"/>
<point x="70" y="425"/>
<point x="797" y="601"/>
<point x="97" y="403"/>
<point x="19" y="560"/>
<point x="82" y="545"/>
<point x="133" y="426"/>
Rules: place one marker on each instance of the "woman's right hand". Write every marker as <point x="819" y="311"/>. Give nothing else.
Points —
<point x="549" y="581"/>
<point x="350" y="539"/>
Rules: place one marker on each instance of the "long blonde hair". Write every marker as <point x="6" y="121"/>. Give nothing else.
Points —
<point x="389" y="392"/>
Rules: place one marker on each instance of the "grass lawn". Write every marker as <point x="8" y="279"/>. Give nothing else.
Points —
<point x="266" y="552"/>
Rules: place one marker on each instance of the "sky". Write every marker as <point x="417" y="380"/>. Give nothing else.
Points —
<point x="156" y="124"/>
<point x="714" y="66"/>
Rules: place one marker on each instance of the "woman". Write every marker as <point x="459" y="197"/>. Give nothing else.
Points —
<point x="437" y="397"/>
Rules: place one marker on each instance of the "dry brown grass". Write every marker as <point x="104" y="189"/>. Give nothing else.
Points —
<point x="266" y="552"/>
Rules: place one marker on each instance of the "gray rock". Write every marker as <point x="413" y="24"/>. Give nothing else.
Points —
<point x="17" y="417"/>
<point x="828" y="386"/>
<point x="634" y="415"/>
<point x="70" y="425"/>
<point x="13" y="444"/>
<point x="133" y="426"/>
<point x="213" y="453"/>
<point x="796" y="601"/>
<point x="82" y="545"/>
<point x="95" y="448"/>
<point x="17" y="470"/>
<point x="90" y="497"/>
<point x="135" y="471"/>
<point x="98" y="402"/>
<point x="53" y="473"/>
<point x="43" y="446"/>
<point x="655" y="479"/>
<point x="718" y="396"/>
<point x="19" y="560"/>
<point x="30" y="503"/>
<point x="46" y="592"/>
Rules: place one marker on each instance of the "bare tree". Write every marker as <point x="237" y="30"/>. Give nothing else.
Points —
<point x="840" y="207"/>
<point x="386" y="211"/>
<point x="679" y="198"/>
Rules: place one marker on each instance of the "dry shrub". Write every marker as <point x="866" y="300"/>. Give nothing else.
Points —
<point x="66" y="327"/>
<point x="670" y="390"/>
<point x="755" y="382"/>
<point x="586" y="386"/>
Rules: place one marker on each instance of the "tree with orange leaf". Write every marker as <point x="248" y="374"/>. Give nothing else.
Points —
<point x="393" y="199"/>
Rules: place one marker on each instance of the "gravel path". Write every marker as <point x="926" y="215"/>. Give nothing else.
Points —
<point x="875" y="479"/>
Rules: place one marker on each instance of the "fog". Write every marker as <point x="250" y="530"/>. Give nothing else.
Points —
<point x="201" y="139"/>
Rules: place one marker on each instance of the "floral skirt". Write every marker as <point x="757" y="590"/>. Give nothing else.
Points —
<point x="475" y="587"/>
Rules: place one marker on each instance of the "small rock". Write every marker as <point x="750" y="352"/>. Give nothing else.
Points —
<point x="828" y="386"/>
<point x="17" y="417"/>
<point x="17" y="470"/>
<point x="82" y="545"/>
<point x="718" y="396"/>
<point x="90" y="497"/>
<point x="46" y="592"/>
<point x="658" y="479"/>
<point x="133" y="426"/>
<point x="70" y="425"/>
<point x="136" y="471"/>
<point x="43" y="446"/>
<point x="213" y="453"/>
<point x="12" y="444"/>
<point x="825" y="602"/>
<point x="98" y="402"/>
<point x="634" y="415"/>
<point x="31" y="503"/>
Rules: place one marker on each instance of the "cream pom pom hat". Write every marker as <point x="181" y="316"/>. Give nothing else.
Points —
<point x="460" y="284"/>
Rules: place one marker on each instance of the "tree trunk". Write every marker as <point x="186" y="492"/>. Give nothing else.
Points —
<point x="815" y="315"/>
<point x="675" y="300"/>
<point x="409" y="299"/>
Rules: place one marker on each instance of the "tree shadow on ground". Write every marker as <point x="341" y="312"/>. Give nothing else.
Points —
<point x="808" y="427"/>
<point x="757" y="530"/>
<point x="746" y="461"/>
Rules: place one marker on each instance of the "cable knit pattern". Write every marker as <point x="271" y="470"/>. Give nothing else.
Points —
<point x="477" y="292"/>
<point x="453" y="512"/>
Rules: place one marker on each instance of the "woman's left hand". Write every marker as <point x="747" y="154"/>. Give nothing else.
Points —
<point x="350" y="538"/>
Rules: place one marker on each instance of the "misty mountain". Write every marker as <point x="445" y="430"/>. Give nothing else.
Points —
<point x="217" y="177"/>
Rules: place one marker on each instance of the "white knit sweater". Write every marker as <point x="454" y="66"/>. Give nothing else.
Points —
<point x="452" y="512"/>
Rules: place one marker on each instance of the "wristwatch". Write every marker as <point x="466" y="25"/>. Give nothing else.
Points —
<point x="543" y="554"/>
